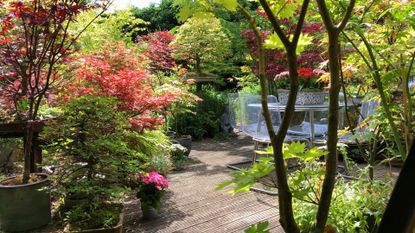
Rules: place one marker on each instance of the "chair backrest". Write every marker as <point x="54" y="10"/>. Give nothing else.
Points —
<point x="253" y="123"/>
<point x="234" y="110"/>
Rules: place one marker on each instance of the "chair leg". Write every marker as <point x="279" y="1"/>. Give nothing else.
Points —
<point x="254" y="156"/>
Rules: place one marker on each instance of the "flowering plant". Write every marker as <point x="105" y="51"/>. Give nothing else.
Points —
<point x="151" y="189"/>
<point x="307" y="78"/>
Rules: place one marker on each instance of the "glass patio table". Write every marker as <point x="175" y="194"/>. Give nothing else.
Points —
<point x="302" y="108"/>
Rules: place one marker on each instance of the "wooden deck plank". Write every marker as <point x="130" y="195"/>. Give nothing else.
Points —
<point x="192" y="203"/>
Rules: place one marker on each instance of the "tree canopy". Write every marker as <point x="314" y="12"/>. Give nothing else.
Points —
<point x="200" y="40"/>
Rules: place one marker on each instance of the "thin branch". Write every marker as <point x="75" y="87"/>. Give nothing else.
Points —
<point x="277" y="27"/>
<point x="300" y="23"/>
<point x="325" y="15"/>
<point x="346" y="16"/>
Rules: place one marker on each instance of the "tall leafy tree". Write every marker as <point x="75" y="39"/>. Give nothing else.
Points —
<point x="120" y="25"/>
<point x="200" y="40"/>
<point x="34" y="41"/>
<point x="161" y="17"/>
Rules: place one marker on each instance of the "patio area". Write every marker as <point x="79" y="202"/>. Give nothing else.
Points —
<point x="193" y="205"/>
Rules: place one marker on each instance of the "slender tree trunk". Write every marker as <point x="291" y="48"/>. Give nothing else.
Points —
<point x="331" y="158"/>
<point x="197" y="66"/>
<point x="28" y="136"/>
<point x="333" y="31"/>
<point x="284" y="194"/>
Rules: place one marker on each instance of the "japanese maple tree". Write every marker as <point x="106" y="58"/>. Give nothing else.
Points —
<point x="159" y="52"/>
<point x="310" y="58"/>
<point x="34" y="42"/>
<point x="117" y="71"/>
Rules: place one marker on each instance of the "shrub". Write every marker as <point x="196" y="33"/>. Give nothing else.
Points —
<point x="205" y="119"/>
<point x="95" y="155"/>
<point x="357" y="205"/>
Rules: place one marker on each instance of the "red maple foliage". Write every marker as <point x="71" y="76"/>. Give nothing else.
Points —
<point x="34" y="41"/>
<point x="117" y="71"/>
<point x="275" y="59"/>
<point x="159" y="52"/>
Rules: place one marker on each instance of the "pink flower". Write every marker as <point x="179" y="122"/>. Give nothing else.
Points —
<point x="154" y="178"/>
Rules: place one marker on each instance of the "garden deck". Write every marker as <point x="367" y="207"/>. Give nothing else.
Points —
<point x="193" y="205"/>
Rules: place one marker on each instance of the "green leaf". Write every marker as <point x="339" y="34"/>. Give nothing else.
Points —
<point x="261" y="227"/>
<point x="303" y="42"/>
<point x="273" y="42"/>
<point x="223" y="185"/>
<point x="230" y="5"/>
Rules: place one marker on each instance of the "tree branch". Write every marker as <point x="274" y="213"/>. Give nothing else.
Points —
<point x="277" y="27"/>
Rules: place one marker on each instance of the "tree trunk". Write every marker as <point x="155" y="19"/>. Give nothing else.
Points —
<point x="333" y="32"/>
<point x="197" y="66"/>
<point x="331" y="158"/>
<point x="28" y="136"/>
<point x="284" y="194"/>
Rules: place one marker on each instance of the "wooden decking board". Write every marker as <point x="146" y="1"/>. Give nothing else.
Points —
<point x="246" y="222"/>
<point x="198" y="215"/>
<point x="230" y="216"/>
<point x="192" y="204"/>
<point x="202" y="201"/>
<point x="198" y="225"/>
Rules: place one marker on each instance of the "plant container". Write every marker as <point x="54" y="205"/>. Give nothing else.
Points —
<point x="149" y="212"/>
<point x="26" y="206"/>
<point x="116" y="229"/>
<point x="304" y="97"/>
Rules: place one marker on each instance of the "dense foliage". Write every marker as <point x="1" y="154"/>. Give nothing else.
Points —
<point x="205" y="119"/>
<point x="200" y="40"/>
<point x="161" y="17"/>
<point x="95" y="155"/>
<point x="117" y="71"/>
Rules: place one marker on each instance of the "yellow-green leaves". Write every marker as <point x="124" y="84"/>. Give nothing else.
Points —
<point x="296" y="150"/>
<point x="283" y="10"/>
<point x="198" y="8"/>
<point x="245" y="179"/>
<point x="303" y="42"/>
<point x="229" y="5"/>
<point x="274" y="42"/>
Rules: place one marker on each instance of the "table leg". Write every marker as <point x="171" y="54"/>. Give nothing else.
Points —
<point x="311" y="112"/>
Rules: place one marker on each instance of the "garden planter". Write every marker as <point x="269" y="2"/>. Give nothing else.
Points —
<point x="185" y="141"/>
<point x="149" y="212"/>
<point x="304" y="97"/>
<point x="116" y="229"/>
<point x="72" y="200"/>
<point x="25" y="207"/>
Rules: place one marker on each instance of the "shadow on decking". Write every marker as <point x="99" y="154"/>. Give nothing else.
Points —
<point x="168" y="214"/>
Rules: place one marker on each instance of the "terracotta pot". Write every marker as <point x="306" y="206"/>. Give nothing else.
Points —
<point x="116" y="229"/>
<point x="25" y="207"/>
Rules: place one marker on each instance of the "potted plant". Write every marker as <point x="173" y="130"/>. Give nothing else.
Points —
<point x="151" y="189"/>
<point x="311" y="84"/>
<point x="91" y="146"/>
<point x="34" y="42"/>
<point x="183" y="103"/>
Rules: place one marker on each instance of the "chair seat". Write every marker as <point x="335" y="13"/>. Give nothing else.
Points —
<point x="304" y="129"/>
